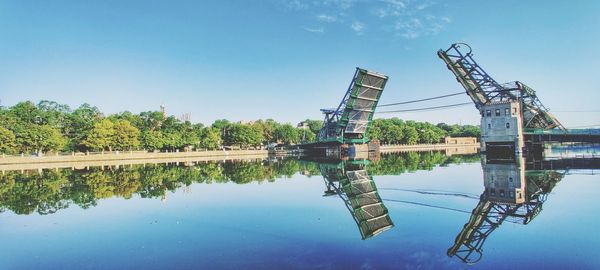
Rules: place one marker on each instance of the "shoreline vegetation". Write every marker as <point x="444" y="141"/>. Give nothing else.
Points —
<point x="48" y="128"/>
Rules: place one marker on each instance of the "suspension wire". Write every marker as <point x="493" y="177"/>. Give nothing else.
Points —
<point x="421" y="100"/>
<point x="427" y="108"/>
<point x="427" y="205"/>
<point x="434" y="192"/>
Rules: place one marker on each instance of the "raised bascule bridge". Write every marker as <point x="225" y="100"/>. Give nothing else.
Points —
<point x="512" y="116"/>
<point x="513" y="119"/>
<point x="344" y="131"/>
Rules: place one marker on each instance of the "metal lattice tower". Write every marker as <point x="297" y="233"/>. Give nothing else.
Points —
<point x="484" y="90"/>
<point x="350" y="121"/>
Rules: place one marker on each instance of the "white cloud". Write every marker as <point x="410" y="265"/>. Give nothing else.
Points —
<point x="409" y="19"/>
<point x="358" y="27"/>
<point x="326" y="18"/>
<point x="318" y="30"/>
<point x="295" y="4"/>
<point x="341" y="4"/>
<point x="413" y="28"/>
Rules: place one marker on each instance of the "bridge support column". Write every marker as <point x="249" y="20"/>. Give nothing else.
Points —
<point x="502" y="129"/>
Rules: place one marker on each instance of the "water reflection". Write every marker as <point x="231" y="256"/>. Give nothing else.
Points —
<point x="48" y="191"/>
<point x="514" y="191"/>
<point x="352" y="183"/>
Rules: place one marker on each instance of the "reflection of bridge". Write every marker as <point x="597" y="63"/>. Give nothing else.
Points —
<point x="514" y="192"/>
<point x="353" y="184"/>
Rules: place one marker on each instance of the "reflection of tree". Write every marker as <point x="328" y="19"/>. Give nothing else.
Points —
<point x="245" y="172"/>
<point x="40" y="193"/>
<point x="50" y="191"/>
<point x="412" y="161"/>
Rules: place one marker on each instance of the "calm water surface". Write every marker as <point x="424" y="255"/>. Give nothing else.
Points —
<point x="302" y="215"/>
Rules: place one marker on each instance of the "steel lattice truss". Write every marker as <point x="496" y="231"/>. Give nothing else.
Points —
<point x="353" y="184"/>
<point x="483" y="89"/>
<point x="350" y="121"/>
<point x="489" y="215"/>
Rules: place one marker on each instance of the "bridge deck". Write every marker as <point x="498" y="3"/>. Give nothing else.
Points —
<point x="569" y="135"/>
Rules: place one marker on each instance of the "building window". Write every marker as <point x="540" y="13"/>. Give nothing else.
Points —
<point x="482" y="113"/>
<point x="507" y="125"/>
<point x="497" y="112"/>
<point x="512" y="194"/>
<point x="489" y="126"/>
<point x="514" y="111"/>
<point x="488" y="113"/>
<point x="510" y="179"/>
<point x="501" y="193"/>
<point x="492" y="191"/>
<point x="506" y="112"/>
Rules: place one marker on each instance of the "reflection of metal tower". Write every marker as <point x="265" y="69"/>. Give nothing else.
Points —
<point x="502" y="200"/>
<point x="484" y="90"/>
<point x="349" y="122"/>
<point x="351" y="182"/>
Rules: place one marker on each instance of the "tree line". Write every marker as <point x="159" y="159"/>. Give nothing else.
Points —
<point x="52" y="190"/>
<point x="51" y="127"/>
<point x="397" y="131"/>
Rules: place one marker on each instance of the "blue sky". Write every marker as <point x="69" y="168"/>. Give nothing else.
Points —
<point x="286" y="59"/>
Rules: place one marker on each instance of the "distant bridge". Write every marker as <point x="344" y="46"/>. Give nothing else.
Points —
<point x="345" y="128"/>
<point x="512" y="116"/>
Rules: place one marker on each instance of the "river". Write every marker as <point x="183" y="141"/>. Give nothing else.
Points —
<point x="402" y="211"/>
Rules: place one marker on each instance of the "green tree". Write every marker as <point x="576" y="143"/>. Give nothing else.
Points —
<point x="151" y="120"/>
<point x="242" y="135"/>
<point x="126" y="136"/>
<point x="81" y="122"/>
<point x="220" y="124"/>
<point x="39" y="138"/>
<point x="55" y="115"/>
<point x="172" y="139"/>
<point x="102" y="136"/>
<point x="8" y="143"/>
<point x="392" y="134"/>
<point x="411" y="136"/>
<point x="210" y="138"/>
<point x="286" y="134"/>
<point x="314" y="125"/>
<point x="306" y="135"/>
<point x="26" y="112"/>
<point x="471" y="131"/>
<point x="152" y="139"/>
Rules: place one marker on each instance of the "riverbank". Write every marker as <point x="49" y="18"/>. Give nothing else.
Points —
<point x="115" y="158"/>
<point x="82" y="160"/>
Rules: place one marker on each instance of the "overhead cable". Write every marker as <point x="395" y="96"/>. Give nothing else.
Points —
<point x="427" y="108"/>
<point x="420" y="100"/>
